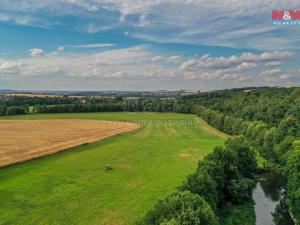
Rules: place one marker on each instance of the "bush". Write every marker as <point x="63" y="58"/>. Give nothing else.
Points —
<point x="182" y="208"/>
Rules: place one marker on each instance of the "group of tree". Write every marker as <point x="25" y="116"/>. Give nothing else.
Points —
<point x="224" y="176"/>
<point x="65" y="104"/>
<point x="273" y="129"/>
<point x="11" y="100"/>
<point x="140" y="105"/>
<point x="74" y="108"/>
<point x="268" y="105"/>
<point x="292" y="172"/>
<point x="13" y="110"/>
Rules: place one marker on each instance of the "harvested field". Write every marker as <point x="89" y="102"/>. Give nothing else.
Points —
<point x="28" y="139"/>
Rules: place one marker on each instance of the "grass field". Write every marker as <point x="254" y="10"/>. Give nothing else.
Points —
<point x="22" y="140"/>
<point x="72" y="187"/>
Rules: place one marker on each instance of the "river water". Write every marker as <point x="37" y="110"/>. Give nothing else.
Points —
<point x="270" y="208"/>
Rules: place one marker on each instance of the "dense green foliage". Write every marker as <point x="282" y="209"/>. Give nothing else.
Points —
<point x="268" y="105"/>
<point x="12" y="110"/>
<point x="182" y="208"/>
<point x="28" y="100"/>
<point x="93" y="104"/>
<point x="77" y="108"/>
<point x="238" y="214"/>
<point x="292" y="172"/>
<point x="140" y="105"/>
<point x="269" y="118"/>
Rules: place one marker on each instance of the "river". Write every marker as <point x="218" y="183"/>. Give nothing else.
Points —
<point x="270" y="208"/>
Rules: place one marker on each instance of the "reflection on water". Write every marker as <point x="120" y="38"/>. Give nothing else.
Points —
<point x="269" y="203"/>
<point x="271" y="183"/>
<point x="281" y="215"/>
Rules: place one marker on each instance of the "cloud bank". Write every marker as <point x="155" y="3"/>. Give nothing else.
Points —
<point x="230" y="23"/>
<point x="138" y="65"/>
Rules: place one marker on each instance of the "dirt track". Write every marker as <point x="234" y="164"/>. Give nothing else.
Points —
<point x="22" y="140"/>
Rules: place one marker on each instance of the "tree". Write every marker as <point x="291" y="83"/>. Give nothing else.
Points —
<point x="170" y="222"/>
<point x="202" y="185"/>
<point x="240" y="190"/>
<point x="292" y="171"/>
<point x="182" y="208"/>
<point x="228" y="159"/>
<point x="287" y="126"/>
<point x="2" y="110"/>
<point x="283" y="147"/>
<point x="15" y="110"/>
<point x="246" y="157"/>
<point x="214" y="170"/>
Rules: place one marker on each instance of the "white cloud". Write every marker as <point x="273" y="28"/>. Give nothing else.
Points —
<point x="274" y="63"/>
<point x="168" y="59"/>
<point x="207" y="61"/>
<point x="35" y="52"/>
<point x="272" y="72"/>
<point x="137" y="65"/>
<point x="285" y="76"/>
<point x="60" y="49"/>
<point x="9" y="65"/>
<point x="129" y="63"/>
<point x="244" y="66"/>
<point x="4" y="17"/>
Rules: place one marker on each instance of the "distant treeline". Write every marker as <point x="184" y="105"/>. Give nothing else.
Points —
<point x="154" y="105"/>
<point x="27" y="100"/>
<point x="13" y="110"/>
<point x="19" y="105"/>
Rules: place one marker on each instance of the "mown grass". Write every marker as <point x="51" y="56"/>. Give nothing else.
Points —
<point x="72" y="187"/>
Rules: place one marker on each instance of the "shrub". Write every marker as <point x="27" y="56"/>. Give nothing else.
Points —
<point x="182" y="208"/>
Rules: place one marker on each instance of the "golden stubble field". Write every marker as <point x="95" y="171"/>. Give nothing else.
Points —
<point x="22" y="140"/>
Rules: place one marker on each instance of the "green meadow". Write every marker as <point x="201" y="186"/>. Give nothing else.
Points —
<point x="73" y="188"/>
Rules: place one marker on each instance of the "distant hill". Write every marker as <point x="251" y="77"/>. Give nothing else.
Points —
<point x="7" y="91"/>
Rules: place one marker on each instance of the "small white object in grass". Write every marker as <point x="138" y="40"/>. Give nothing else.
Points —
<point x="108" y="167"/>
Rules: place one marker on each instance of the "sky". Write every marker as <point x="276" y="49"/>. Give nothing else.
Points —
<point x="146" y="44"/>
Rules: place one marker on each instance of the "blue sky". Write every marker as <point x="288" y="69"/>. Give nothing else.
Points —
<point x="146" y="45"/>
